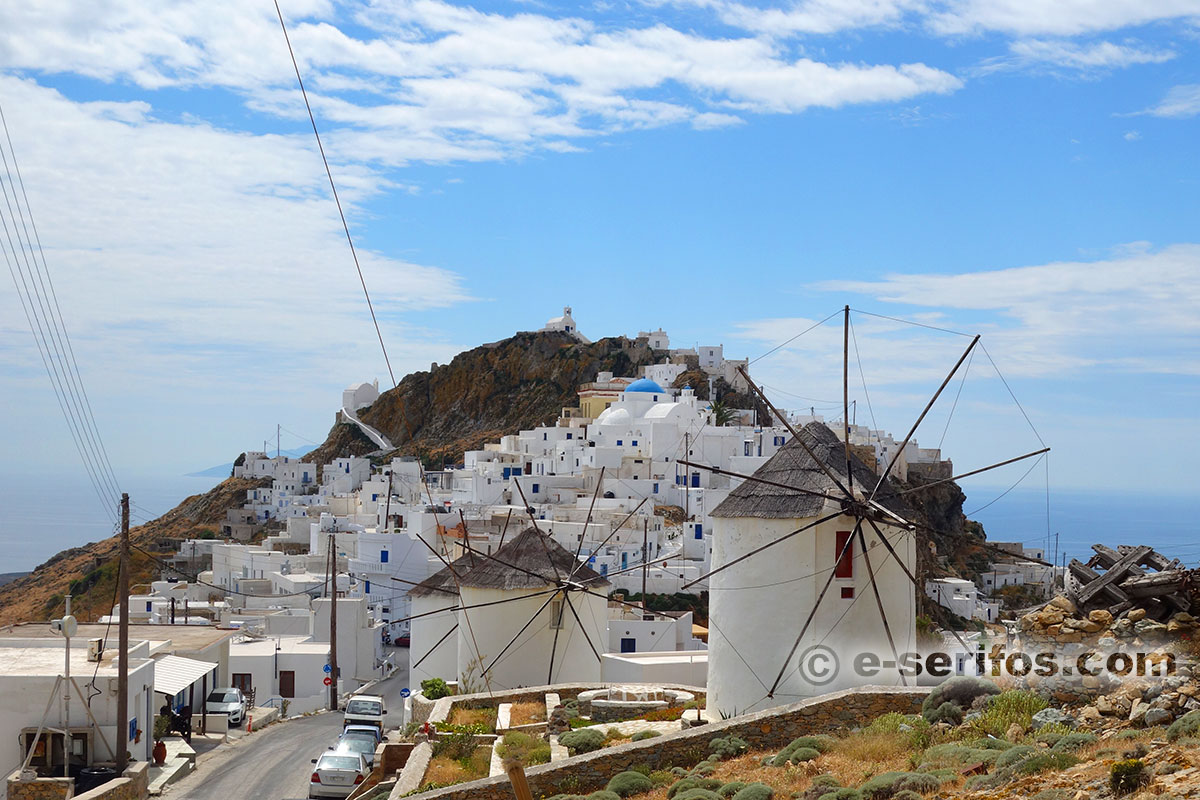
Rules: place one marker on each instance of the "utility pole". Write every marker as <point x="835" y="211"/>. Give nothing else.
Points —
<point x="387" y="507"/>
<point x="687" y="479"/>
<point x="277" y="440"/>
<point x="67" y="692"/>
<point x="645" y="564"/>
<point x="333" y="665"/>
<point x="123" y="642"/>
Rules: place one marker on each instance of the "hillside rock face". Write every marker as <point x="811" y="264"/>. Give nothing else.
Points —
<point x="89" y="573"/>
<point x="485" y="393"/>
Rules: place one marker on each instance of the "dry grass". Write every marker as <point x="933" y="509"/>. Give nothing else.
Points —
<point x="527" y="713"/>
<point x="444" y="770"/>
<point x="473" y="716"/>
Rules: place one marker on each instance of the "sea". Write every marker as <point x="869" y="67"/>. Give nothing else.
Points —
<point x="41" y="516"/>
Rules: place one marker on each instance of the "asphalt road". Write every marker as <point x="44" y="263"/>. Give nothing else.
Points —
<point x="275" y="763"/>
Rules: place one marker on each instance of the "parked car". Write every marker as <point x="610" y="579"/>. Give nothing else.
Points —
<point x="363" y="730"/>
<point x="364" y="709"/>
<point x="227" y="701"/>
<point x="336" y="774"/>
<point x="404" y="640"/>
<point x="362" y="744"/>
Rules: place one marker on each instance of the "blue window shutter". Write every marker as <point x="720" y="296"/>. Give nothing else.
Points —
<point x="536" y="487"/>
<point x="368" y="589"/>
<point x="656" y="488"/>
<point x="383" y="556"/>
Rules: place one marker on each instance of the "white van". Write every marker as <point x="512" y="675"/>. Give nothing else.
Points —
<point x="364" y="709"/>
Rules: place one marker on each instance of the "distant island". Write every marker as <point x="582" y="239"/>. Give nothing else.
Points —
<point x="9" y="577"/>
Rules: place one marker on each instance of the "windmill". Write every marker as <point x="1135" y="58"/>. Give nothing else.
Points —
<point x="856" y="525"/>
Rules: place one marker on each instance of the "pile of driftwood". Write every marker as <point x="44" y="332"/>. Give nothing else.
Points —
<point x="1132" y="577"/>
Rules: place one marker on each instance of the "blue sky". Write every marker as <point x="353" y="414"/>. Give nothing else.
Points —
<point x="731" y="172"/>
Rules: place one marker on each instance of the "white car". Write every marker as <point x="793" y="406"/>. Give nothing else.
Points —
<point x="336" y="774"/>
<point x="365" y="709"/>
<point x="227" y="701"/>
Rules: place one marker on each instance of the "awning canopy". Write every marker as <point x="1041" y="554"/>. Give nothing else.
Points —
<point x="173" y="674"/>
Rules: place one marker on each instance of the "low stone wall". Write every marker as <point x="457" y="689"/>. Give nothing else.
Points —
<point x="765" y="730"/>
<point x="133" y="785"/>
<point x="39" y="788"/>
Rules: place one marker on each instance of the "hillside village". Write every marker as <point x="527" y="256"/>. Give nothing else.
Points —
<point x="611" y="546"/>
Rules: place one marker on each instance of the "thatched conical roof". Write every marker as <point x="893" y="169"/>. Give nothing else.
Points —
<point x="532" y="552"/>
<point x="443" y="581"/>
<point x="793" y="466"/>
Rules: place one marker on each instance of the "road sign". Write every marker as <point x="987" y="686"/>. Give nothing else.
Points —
<point x="327" y="668"/>
<point x="405" y="692"/>
<point x="328" y="680"/>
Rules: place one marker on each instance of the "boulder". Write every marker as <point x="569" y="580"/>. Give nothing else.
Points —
<point x="1064" y="603"/>
<point x="1101" y="616"/>
<point x="1149" y="629"/>
<point x="1138" y="711"/>
<point x="1052" y="716"/>
<point x="1136" y="614"/>
<point x="1157" y="716"/>
<point x="1181" y="623"/>
<point x="1123" y="628"/>
<point x="1089" y="715"/>
<point x="1015" y="732"/>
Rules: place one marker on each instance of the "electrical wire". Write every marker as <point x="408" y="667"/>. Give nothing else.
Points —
<point x="910" y="322"/>
<point x="336" y="199"/>
<point x="1006" y="491"/>
<point x="794" y="338"/>
<point x="196" y="579"/>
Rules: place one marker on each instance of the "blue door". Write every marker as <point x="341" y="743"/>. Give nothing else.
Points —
<point x="628" y="645"/>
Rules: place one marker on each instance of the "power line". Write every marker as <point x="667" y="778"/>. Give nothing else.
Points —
<point x="333" y="188"/>
<point x="43" y="313"/>
<point x="794" y="338"/>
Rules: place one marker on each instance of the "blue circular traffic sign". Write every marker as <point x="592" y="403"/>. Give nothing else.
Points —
<point x="405" y="692"/>
<point x="327" y="668"/>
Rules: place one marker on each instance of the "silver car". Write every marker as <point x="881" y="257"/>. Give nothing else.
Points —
<point x="227" y="701"/>
<point x="336" y="774"/>
<point x="357" y="743"/>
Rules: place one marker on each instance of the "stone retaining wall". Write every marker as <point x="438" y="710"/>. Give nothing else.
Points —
<point x="133" y="785"/>
<point x="765" y="730"/>
<point x="39" y="788"/>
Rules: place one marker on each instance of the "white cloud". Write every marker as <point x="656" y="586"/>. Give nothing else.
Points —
<point x="1065" y="54"/>
<point x="436" y="82"/>
<point x="1132" y="312"/>
<point x="812" y="16"/>
<point x="214" y="253"/>
<point x="1054" y="17"/>
<point x="1132" y="136"/>
<point x="1180" y="101"/>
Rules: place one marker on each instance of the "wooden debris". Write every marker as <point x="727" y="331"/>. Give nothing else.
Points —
<point x="1132" y="577"/>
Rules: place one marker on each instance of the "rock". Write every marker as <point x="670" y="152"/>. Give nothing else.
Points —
<point x="1136" y="614"/>
<point x="1101" y="617"/>
<point x="1052" y="716"/>
<point x="1089" y="715"/>
<point x="1188" y="689"/>
<point x="1105" y="705"/>
<point x="1182" y="623"/>
<point x="1063" y="603"/>
<point x="1107" y="641"/>
<point x="1157" y="716"/>
<point x="1091" y="682"/>
<point x="1054" y="630"/>
<point x="1015" y="732"/>
<point x="1138" y="712"/>
<point x="1149" y="629"/>
<point x="1123" y="628"/>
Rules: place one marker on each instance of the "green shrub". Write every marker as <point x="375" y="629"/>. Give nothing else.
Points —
<point x="1073" y="741"/>
<point x="1047" y="760"/>
<point x="961" y="691"/>
<point x="907" y="794"/>
<point x="755" y="791"/>
<point x="954" y="754"/>
<point x="992" y="780"/>
<point x="434" y="689"/>
<point x="642" y="768"/>
<point x="1188" y="725"/>
<point x="704" y="768"/>
<point x="1052" y="794"/>
<point x="457" y="746"/>
<point x="692" y="782"/>
<point x="1014" y="706"/>
<point x="679" y="772"/>
<point x="943" y="775"/>
<point x="913" y="727"/>
<point x="826" y="780"/>
<point x="1050" y="733"/>
<point x="584" y="740"/>
<point x="988" y="743"/>
<point x="698" y="794"/>
<point x="842" y="794"/>
<point x="885" y="785"/>
<point x="661" y="777"/>
<point x="726" y="747"/>
<point x="519" y="746"/>
<point x="1128" y="775"/>
<point x="948" y="712"/>
<point x="642" y="736"/>
<point x="603" y="794"/>
<point x="626" y="784"/>
<point x="732" y="788"/>
<point x="805" y="748"/>
<point x="1015" y="755"/>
